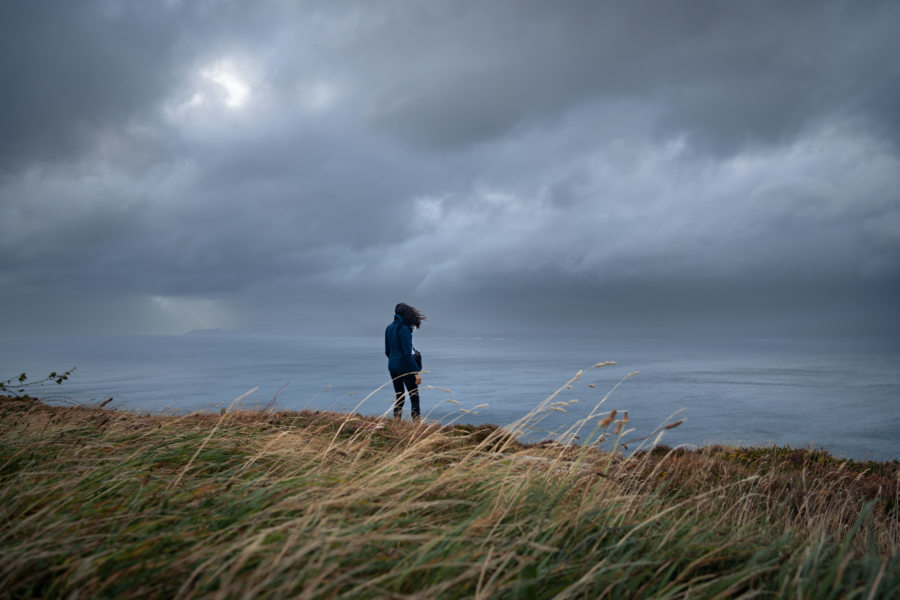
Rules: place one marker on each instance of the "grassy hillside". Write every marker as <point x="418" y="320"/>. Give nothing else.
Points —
<point x="101" y="503"/>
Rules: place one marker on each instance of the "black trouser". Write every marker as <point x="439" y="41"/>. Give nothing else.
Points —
<point x="408" y="380"/>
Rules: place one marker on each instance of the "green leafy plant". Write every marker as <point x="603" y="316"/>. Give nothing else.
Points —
<point x="19" y="386"/>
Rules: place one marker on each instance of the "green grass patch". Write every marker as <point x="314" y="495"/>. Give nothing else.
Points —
<point x="101" y="503"/>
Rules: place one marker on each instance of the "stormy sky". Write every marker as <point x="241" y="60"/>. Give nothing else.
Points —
<point x="506" y="166"/>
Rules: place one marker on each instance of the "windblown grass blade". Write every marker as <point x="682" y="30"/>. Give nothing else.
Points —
<point x="262" y="504"/>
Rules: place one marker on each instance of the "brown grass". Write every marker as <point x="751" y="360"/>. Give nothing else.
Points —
<point x="105" y="503"/>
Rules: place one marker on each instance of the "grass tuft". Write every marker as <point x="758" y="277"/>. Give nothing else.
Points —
<point x="104" y="503"/>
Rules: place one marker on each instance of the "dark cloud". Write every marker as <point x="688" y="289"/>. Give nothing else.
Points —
<point x="75" y="72"/>
<point x="723" y="75"/>
<point x="568" y="165"/>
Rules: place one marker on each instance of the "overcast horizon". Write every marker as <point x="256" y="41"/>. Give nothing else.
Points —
<point x="507" y="167"/>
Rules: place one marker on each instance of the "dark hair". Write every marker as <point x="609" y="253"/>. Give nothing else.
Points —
<point x="411" y="315"/>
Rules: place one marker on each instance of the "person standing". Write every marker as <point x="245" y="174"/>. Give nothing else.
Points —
<point x="402" y="364"/>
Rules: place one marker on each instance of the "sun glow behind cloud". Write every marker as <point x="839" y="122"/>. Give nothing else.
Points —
<point x="217" y="88"/>
<point x="236" y="91"/>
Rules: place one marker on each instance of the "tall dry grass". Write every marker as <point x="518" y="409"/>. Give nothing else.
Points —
<point x="101" y="503"/>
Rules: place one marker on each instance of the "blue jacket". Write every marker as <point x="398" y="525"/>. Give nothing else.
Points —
<point x="398" y="347"/>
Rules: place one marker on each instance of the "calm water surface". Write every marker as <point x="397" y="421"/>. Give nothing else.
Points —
<point x="841" y="394"/>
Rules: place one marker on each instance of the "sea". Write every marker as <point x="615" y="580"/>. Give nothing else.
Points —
<point x="841" y="395"/>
